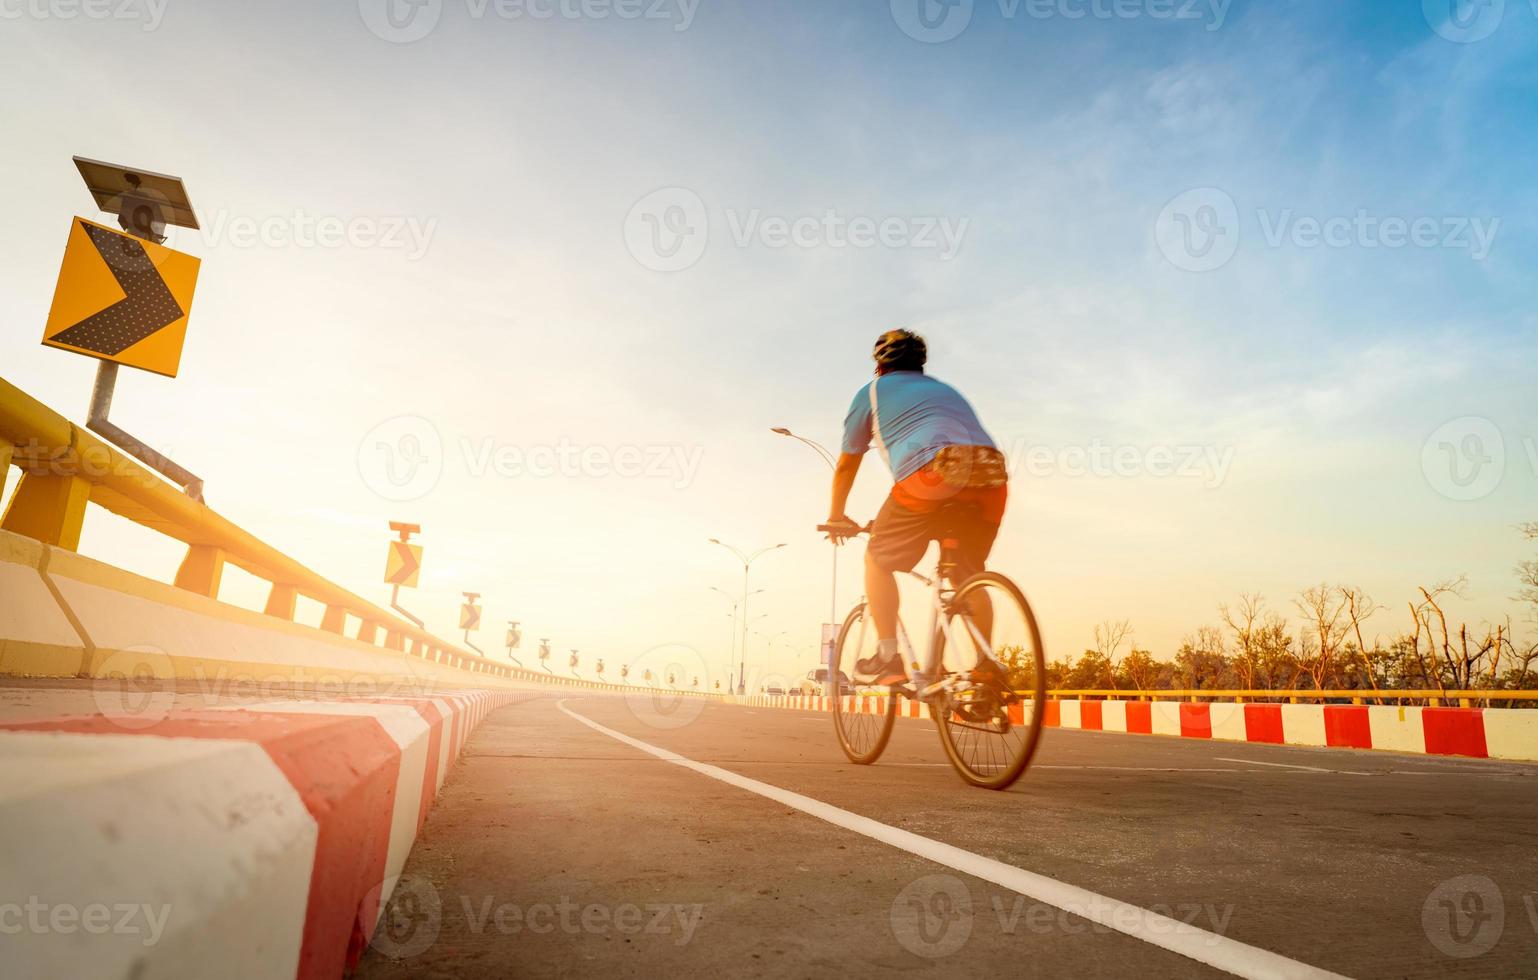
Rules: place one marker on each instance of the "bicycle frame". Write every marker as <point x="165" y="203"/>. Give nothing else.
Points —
<point x="968" y="701"/>
<point x="931" y="666"/>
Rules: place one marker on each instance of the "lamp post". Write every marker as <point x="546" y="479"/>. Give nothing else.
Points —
<point x="747" y="564"/>
<point x="734" y="637"/>
<point x="769" y="641"/>
<point x="745" y="627"/>
<point x="733" y="645"/>
<point x="827" y="457"/>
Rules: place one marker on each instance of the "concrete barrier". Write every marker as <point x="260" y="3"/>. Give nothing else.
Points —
<point x="259" y="841"/>
<point x="1477" y="733"/>
<point x="255" y="839"/>
<point x="36" y="637"/>
<point x="65" y="615"/>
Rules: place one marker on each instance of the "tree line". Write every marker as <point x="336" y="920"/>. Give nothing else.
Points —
<point x="1333" y="645"/>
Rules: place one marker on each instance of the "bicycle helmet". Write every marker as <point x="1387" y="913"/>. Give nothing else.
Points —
<point x="901" y="350"/>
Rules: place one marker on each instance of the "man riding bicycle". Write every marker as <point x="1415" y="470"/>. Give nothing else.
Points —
<point x="950" y="482"/>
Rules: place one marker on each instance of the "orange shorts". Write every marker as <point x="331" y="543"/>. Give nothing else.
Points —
<point x="922" y="508"/>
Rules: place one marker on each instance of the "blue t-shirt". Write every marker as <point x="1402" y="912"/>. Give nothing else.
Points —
<point x="917" y="417"/>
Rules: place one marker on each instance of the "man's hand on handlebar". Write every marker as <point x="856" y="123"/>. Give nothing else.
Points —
<point x="840" y="529"/>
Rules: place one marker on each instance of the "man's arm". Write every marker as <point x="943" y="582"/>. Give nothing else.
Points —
<point x="859" y="428"/>
<point x="843" y="482"/>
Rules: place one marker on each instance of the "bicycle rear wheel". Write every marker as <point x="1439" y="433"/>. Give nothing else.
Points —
<point x="990" y="712"/>
<point x="862" y="714"/>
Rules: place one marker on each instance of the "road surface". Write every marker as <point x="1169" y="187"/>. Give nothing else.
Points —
<point x="571" y="841"/>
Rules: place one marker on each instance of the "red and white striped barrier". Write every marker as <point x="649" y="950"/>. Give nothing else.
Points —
<point x="258" y="841"/>
<point x="1480" y="733"/>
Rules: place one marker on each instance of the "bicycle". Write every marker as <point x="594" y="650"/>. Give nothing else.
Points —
<point x="984" y="682"/>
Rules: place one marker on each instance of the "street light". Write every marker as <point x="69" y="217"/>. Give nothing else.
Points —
<point x="747" y="563"/>
<point x="770" y="640"/>
<point x="733" y="617"/>
<point x="827" y="457"/>
<point x="745" y="627"/>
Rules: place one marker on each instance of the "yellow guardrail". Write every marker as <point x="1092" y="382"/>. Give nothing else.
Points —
<point x="1465" y="698"/>
<point x="66" y="467"/>
<point x="1433" y="697"/>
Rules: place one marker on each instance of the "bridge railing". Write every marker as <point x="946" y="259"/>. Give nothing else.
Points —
<point x="64" y="468"/>
<point x="1434" y="697"/>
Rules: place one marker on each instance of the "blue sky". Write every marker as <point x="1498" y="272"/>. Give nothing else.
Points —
<point x="512" y="312"/>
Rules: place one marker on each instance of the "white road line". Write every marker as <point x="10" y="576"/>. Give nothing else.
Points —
<point x="1206" y="947"/>
<point x="1156" y="768"/>
<point x="1038" y="765"/>
<point x="1286" y="765"/>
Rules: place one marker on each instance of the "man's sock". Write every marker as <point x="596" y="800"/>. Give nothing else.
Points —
<point x="886" y="649"/>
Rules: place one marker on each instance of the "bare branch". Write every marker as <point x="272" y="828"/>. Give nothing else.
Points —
<point x="1109" y="636"/>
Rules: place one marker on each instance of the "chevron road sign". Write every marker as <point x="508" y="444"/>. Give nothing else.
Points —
<point x="470" y="613"/>
<point x="122" y="299"/>
<point x="403" y="565"/>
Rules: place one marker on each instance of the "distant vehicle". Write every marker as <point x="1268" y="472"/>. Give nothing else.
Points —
<point x="774" y="691"/>
<point x="816" y="682"/>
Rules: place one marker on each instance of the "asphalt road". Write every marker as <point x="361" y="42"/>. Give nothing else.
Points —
<point x="560" y="849"/>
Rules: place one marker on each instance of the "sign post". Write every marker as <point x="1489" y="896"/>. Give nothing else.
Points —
<point x="470" y="619"/>
<point x="514" y="640"/>
<point x="124" y="298"/>
<point x="403" y="566"/>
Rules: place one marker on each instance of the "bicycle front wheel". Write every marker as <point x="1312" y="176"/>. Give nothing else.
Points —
<point x="862" y="714"/>
<point x="990" y="710"/>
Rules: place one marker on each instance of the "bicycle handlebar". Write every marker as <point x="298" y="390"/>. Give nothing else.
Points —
<point x="844" y="528"/>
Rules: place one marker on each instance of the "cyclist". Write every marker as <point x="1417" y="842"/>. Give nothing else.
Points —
<point x="950" y="481"/>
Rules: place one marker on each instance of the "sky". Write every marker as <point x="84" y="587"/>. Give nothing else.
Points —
<point x="1244" y="289"/>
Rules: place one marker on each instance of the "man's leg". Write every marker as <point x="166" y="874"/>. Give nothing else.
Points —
<point x="897" y="542"/>
<point x="979" y="531"/>
<point x="980" y="606"/>
<point x="881" y="595"/>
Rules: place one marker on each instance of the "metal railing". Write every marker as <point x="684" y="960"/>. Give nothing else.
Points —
<point x="1465" y="698"/>
<point x="65" y="467"/>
